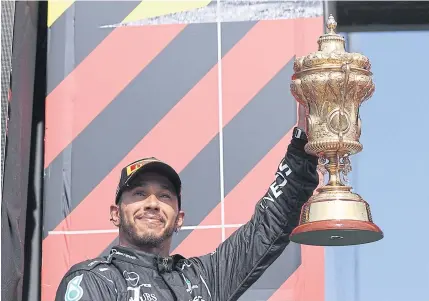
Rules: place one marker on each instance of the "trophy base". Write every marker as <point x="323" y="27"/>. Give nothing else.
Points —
<point x="336" y="233"/>
<point x="336" y="217"/>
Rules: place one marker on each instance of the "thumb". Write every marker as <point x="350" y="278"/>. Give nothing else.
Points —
<point x="302" y="122"/>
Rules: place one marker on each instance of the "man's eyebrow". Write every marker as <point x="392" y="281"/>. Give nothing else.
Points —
<point x="167" y="186"/>
<point x="145" y="183"/>
<point x="138" y="184"/>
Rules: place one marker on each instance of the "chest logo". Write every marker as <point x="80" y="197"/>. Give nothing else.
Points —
<point x="131" y="277"/>
<point x="186" y="264"/>
<point x="137" y="295"/>
<point x="190" y="286"/>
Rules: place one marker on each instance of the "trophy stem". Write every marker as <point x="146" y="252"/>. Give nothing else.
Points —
<point x="337" y="165"/>
<point x="333" y="168"/>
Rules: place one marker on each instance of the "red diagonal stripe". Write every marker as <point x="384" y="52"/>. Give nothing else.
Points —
<point x="104" y="73"/>
<point x="177" y="139"/>
<point x="240" y="202"/>
<point x="307" y="282"/>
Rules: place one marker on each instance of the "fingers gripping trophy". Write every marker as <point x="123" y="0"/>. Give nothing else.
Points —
<point x="332" y="84"/>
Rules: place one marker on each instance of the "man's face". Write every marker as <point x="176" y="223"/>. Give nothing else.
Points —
<point x="148" y="211"/>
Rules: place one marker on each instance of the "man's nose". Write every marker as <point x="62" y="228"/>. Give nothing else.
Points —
<point x="152" y="202"/>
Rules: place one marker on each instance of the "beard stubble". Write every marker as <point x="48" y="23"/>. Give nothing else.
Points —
<point x="146" y="239"/>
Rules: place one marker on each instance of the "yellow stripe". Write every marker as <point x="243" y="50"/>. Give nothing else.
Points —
<point x="146" y="8"/>
<point x="155" y="8"/>
<point x="56" y="8"/>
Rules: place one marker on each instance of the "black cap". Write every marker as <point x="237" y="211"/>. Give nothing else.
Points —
<point x="130" y="171"/>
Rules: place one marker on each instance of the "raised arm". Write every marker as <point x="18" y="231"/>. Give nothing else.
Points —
<point x="248" y="252"/>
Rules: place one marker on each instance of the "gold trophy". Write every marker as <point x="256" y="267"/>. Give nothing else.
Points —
<point x="332" y="84"/>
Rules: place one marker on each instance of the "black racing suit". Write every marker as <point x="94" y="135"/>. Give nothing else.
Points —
<point x="225" y="274"/>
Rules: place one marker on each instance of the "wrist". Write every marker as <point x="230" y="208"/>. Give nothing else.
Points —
<point x="299" y="133"/>
<point x="299" y="140"/>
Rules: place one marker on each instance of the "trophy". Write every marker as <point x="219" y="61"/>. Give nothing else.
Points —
<point x="332" y="84"/>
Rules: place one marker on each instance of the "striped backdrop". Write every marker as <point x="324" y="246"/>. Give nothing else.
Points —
<point x="212" y="99"/>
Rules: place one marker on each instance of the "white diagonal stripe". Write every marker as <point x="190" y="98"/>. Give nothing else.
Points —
<point x="109" y="231"/>
<point x="219" y="71"/>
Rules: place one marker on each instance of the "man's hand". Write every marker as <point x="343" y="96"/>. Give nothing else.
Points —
<point x="302" y="122"/>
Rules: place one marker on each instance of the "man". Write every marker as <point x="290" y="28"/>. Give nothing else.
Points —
<point x="147" y="212"/>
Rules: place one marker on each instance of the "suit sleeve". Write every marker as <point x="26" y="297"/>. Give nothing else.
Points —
<point x="84" y="285"/>
<point x="241" y="259"/>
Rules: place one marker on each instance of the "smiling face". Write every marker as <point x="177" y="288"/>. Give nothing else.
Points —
<point x="148" y="212"/>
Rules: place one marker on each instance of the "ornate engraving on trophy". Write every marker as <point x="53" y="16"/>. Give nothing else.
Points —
<point x="332" y="84"/>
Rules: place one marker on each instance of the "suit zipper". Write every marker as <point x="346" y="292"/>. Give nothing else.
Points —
<point x="169" y="287"/>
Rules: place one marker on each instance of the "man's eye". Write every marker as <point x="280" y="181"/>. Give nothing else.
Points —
<point x="140" y="193"/>
<point x="165" y="196"/>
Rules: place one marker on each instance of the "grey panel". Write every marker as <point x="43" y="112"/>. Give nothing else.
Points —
<point x="17" y="200"/>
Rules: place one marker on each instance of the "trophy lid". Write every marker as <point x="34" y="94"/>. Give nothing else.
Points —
<point x="331" y="41"/>
<point x="331" y="53"/>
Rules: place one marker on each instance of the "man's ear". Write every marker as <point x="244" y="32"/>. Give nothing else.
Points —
<point x="114" y="215"/>
<point x="180" y="220"/>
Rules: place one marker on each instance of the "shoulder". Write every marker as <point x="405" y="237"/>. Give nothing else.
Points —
<point x="95" y="271"/>
<point x="85" y="285"/>
<point x="90" y="266"/>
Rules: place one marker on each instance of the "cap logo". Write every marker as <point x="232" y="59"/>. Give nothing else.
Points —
<point x="132" y="168"/>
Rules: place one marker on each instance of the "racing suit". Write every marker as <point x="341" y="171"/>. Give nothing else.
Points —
<point x="223" y="275"/>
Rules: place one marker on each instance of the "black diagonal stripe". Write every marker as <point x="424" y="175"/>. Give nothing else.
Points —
<point x="258" y="127"/>
<point x="128" y="118"/>
<point x="247" y="139"/>
<point x="76" y="33"/>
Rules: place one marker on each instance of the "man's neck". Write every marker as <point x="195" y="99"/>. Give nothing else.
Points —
<point x="160" y="250"/>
